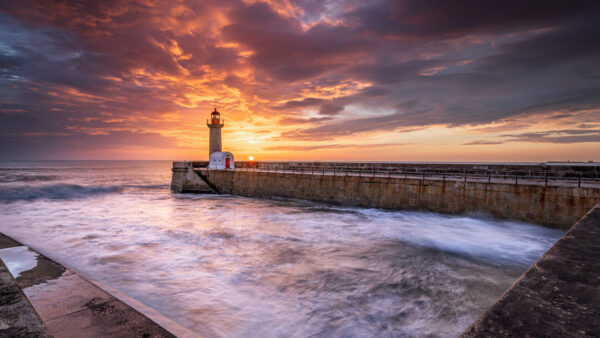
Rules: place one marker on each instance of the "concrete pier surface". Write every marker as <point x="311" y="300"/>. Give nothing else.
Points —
<point x="559" y="296"/>
<point x="47" y="299"/>
<point x="585" y="174"/>
<point x="18" y="318"/>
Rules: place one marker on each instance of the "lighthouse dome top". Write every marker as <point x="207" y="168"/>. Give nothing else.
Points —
<point x="215" y="119"/>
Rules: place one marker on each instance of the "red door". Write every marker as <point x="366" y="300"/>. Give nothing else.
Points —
<point x="227" y="163"/>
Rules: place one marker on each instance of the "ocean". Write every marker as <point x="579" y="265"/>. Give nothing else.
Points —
<point x="230" y="266"/>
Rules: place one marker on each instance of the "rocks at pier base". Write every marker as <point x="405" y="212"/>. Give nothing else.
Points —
<point x="559" y="296"/>
<point x="48" y="299"/>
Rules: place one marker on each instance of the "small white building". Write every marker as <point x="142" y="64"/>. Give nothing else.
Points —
<point x="221" y="160"/>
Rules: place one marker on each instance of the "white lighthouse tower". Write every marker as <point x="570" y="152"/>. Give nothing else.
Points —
<point x="215" y="125"/>
<point x="217" y="158"/>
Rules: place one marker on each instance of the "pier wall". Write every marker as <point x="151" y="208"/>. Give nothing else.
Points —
<point x="552" y="206"/>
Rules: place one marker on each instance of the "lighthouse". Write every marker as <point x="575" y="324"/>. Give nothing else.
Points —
<point x="217" y="158"/>
<point x="215" y="125"/>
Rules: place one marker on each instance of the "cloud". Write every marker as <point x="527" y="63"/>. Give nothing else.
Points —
<point x="74" y="145"/>
<point x="560" y="116"/>
<point x="334" y="146"/>
<point x="393" y="122"/>
<point x="556" y="136"/>
<point x="588" y="125"/>
<point x="414" y="19"/>
<point x="330" y="109"/>
<point x="565" y="136"/>
<point x="482" y="142"/>
<point x="296" y="120"/>
<point x="284" y="50"/>
<point x="305" y="102"/>
<point x="155" y="68"/>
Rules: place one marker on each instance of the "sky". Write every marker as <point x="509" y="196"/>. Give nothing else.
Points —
<point x="306" y="80"/>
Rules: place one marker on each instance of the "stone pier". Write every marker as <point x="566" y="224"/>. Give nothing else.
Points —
<point x="557" y="206"/>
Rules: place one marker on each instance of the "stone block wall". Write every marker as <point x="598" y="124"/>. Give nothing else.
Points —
<point x="557" y="207"/>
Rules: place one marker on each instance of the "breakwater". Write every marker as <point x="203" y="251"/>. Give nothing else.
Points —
<point x="557" y="205"/>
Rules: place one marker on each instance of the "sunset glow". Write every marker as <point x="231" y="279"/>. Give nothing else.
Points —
<point x="300" y="80"/>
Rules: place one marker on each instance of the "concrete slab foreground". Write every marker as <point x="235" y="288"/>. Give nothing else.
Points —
<point x="17" y="316"/>
<point x="61" y="303"/>
<point x="559" y="296"/>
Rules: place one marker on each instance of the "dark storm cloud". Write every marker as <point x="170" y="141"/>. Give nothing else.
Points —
<point x="526" y="77"/>
<point x="418" y="19"/>
<point x="57" y="84"/>
<point x="384" y="74"/>
<point x="374" y="91"/>
<point x="284" y="51"/>
<point x="578" y="42"/>
<point x="330" y="109"/>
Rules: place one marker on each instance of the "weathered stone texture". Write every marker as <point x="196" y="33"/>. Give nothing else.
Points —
<point x="559" y="296"/>
<point x="557" y="207"/>
<point x="17" y="316"/>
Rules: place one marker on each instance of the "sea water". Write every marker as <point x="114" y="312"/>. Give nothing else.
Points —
<point x="232" y="266"/>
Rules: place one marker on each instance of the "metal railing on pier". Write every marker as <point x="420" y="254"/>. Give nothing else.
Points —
<point x="546" y="178"/>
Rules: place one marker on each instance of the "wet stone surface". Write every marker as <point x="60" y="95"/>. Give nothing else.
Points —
<point x="7" y="242"/>
<point x="17" y="316"/>
<point x="44" y="271"/>
<point x="559" y="296"/>
<point x="51" y="300"/>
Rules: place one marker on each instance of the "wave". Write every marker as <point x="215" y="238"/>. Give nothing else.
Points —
<point x="27" y="178"/>
<point x="483" y="237"/>
<point x="148" y="186"/>
<point x="54" y="192"/>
